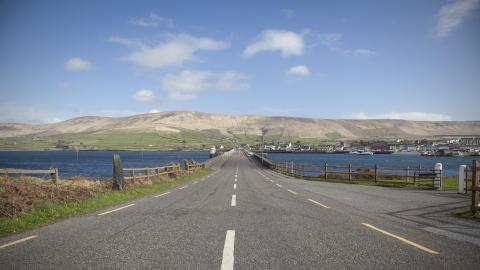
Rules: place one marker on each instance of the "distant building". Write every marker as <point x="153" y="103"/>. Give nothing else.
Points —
<point x="326" y="148"/>
<point x="269" y="147"/>
<point x="472" y="142"/>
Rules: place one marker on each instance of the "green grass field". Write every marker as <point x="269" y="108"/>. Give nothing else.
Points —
<point x="50" y="213"/>
<point x="154" y="141"/>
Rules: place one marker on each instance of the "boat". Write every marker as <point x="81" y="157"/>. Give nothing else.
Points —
<point x="353" y="152"/>
<point x="366" y="153"/>
<point x="213" y="152"/>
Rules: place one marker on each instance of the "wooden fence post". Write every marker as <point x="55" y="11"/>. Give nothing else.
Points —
<point x="325" y="171"/>
<point x="475" y="186"/>
<point x="375" y="173"/>
<point x="117" y="173"/>
<point x="407" y="172"/>
<point x="55" y="176"/>
<point x="349" y="172"/>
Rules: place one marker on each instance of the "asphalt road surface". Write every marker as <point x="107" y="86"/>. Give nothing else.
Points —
<point x="243" y="217"/>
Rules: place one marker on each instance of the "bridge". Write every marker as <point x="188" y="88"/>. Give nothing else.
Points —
<point x="245" y="217"/>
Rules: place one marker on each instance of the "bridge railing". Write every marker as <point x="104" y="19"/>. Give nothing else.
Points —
<point x="418" y="176"/>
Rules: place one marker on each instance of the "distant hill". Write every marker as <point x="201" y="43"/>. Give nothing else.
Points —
<point x="228" y="125"/>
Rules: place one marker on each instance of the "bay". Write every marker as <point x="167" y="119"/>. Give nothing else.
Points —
<point x="91" y="164"/>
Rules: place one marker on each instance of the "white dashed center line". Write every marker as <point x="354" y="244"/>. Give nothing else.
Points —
<point x="234" y="200"/>
<point x="315" y="202"/>
<point x="228" y="249"/>
<point x="291" y="191"/>
<point x="234" y="186"/>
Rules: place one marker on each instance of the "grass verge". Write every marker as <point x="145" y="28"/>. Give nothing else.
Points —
<point x="50" y="213"/>
<point x="466" y="213"/>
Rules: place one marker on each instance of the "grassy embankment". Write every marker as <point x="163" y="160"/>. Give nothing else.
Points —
<point x="52" y="212"/>
<point x="147" y="141"/>
<point x="466" y="213"/>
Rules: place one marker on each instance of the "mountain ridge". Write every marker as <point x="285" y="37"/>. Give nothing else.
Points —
<point x="177" y="121"/>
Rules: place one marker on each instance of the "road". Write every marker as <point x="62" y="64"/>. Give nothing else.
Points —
<point x="243" y="217"/>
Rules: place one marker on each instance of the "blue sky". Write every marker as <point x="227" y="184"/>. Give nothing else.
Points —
<point x="338" y="59"/>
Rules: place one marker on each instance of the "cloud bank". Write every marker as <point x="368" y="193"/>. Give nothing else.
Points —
<point x="451" y="16"/>
<point x="188" y="84"/>
<point x="177" y="50"/>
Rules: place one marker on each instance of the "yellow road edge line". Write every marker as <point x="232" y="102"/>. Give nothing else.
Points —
<point x="114" y="210"/>
<point x="401" y="239"/>
<point x="291" y="191"/>
<point x="322" y="205"/>
<point x="18" y="241"/>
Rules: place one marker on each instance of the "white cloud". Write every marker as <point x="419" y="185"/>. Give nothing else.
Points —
<point x="333" y="41"/>
<point x="175" y="51"/>
<point x="77" y="64"/>
<point x="66" y="87"/>
<point x="188" y="84"/>
<point x="145" y="96"/>
<point x="362" y="52"/>
<point x="152" y="20"/>
<point x="288" y="13"/>
<point x="301" y="71"/>
<point x="415" y="116"/>
<point x="154" y="111"/>
<point x="452" y="15"/>
<point x="289" y="43"/>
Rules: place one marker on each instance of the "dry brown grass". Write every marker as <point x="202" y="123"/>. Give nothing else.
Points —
<point x="23" y="194"/>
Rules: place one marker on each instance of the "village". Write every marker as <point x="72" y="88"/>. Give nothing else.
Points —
<point x="446" y="146"/>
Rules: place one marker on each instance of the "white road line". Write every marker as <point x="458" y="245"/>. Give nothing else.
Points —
<point x="401" y="239"/>
<point x="160" y="195"/>
<point x="278" y="185"/>
<point x="315" y="202"/>
<point x="228" y="248"/>
<point x="272" y="181"/>
<point x="183" y="187"/>
<point x="114" y="210"/>
<point x="234" y="186"/>
<point x="18" y="241"/>
<point x="234" y="200"/>
<point x="235" y="179"/>
<point x="194" y="182"/>
<point x="291" y="191"/>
